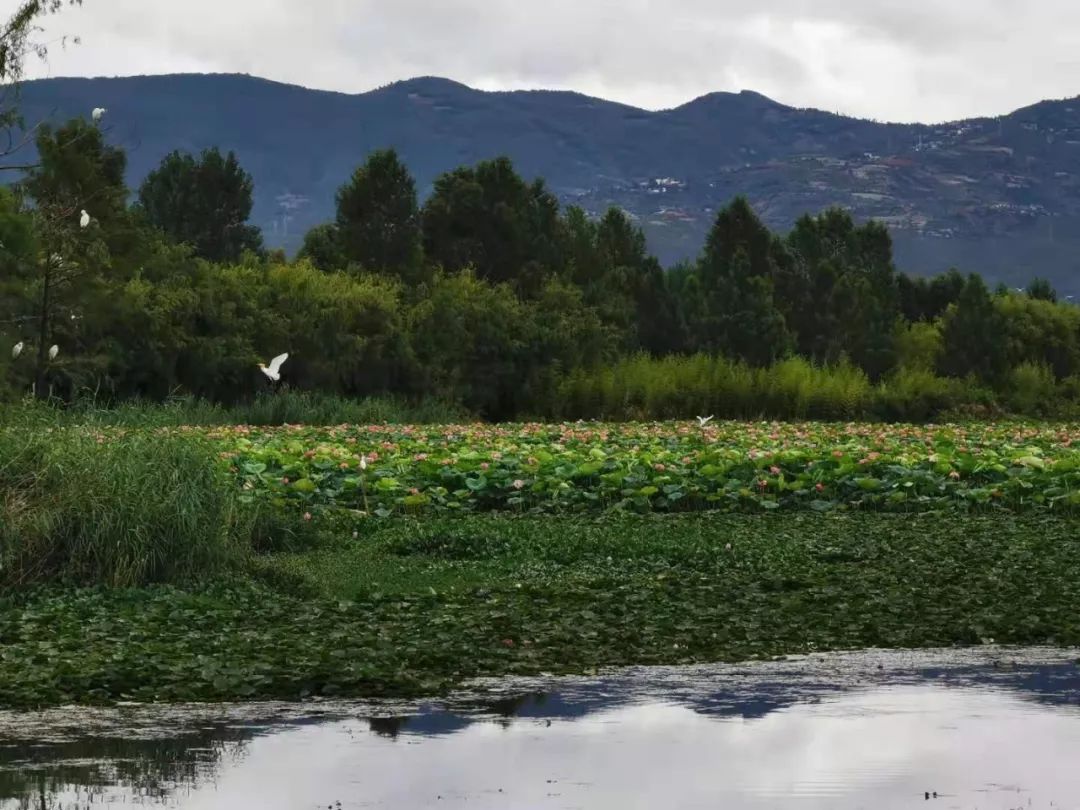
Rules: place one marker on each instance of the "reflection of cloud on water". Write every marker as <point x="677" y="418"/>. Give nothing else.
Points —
<point x="862" y="725"/>
<point x="879" y="749"/>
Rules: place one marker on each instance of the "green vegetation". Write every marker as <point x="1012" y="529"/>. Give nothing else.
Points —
<point x="128" y="510"/>
<point x="417" y="607"/>
<point x="285" y="408"/>
<point x="491" y="297"/>
<point x="184" y="563"/>
<point x="730" y="466"/>
<point x="352" y="532"/>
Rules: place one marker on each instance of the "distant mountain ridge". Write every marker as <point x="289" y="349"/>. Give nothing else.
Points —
<point x="997" y="195"/>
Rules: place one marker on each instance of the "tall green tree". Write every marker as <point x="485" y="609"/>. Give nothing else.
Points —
<point x="378" y="219"/>
<point x="204" y="203"/>
<point x="974" y="335"/>
<point x="849" y="300"/>
<point x="488" y="218"/>
<point x="738" y="316"/>
<point x="623" y="282"/>
<point x="79" y="178"/>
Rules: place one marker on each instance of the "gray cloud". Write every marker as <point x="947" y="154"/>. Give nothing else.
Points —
<point x="898" y="60"/>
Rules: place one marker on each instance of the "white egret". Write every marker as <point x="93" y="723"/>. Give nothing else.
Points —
<point x="53" y="351"/>
<point x="98" y="113"/>
<point x="273" y="371"/>
<point x="704" y="420"/>
<point x="16" y="350"/>
<point x="84" y="219"/>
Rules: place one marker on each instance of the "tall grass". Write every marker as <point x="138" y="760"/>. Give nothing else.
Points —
<point x="287" y="407"/>
<point x="675" y="387"/>
<point x="643" y="387"/>
<point x="132" y="509"/>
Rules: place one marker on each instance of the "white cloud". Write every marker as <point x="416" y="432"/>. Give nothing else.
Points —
<point x="898" y="60"/>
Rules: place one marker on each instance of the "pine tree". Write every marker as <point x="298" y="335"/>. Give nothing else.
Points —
<point x="378" y="219"/>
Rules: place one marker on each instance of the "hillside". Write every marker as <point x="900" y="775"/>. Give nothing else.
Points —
<point x="1001" y="196"/>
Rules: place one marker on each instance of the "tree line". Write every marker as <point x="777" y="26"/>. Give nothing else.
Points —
<point x="489" y="294"/>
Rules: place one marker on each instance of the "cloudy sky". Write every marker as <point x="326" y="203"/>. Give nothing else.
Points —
<point x="899" y="60"/>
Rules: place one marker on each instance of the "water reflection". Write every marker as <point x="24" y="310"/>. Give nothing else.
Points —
<point x="875" y="730"/>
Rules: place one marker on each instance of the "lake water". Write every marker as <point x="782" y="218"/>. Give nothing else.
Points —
<point x="989" y="729"/>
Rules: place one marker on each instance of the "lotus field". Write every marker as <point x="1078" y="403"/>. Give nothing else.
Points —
<point x="388" y="470"/>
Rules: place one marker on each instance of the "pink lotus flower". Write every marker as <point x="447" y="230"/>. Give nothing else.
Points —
<point x="518" y="484"/>
<point x="420" y="457"/>
<point x="774" y="470"/>
<point x="307" y="515"/>
<point x="484" y="465"/>
<point x="819" y="487"/>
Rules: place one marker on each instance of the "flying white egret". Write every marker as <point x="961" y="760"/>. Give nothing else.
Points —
<point x="98" y="113"/>
<point x="16" y="350"/>
<point x="704" y="420"/>
<point x="273" y="371"/>
<point x="53" y="351"/>
<point x="84" y="219"/>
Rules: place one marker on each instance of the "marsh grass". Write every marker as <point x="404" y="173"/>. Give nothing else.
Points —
<point x="129" y="510"/>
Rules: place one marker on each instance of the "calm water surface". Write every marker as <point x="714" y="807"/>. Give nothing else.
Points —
<point x="989" y="729"/>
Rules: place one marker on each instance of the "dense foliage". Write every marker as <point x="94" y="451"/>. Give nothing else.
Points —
<point x="489" y="296"/>
<point x="204" y="203"/>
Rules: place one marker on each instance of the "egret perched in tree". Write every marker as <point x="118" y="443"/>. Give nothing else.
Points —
<point x="53" y="351"/>
<point x="273" y="371"/>
<point x="16" y="350"/>
<point x="704" y="420"/>
<point x="98" y="113"/>
<point x="84" y="219"/>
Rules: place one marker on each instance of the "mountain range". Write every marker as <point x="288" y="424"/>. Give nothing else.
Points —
<point x="1000" y="196"/>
